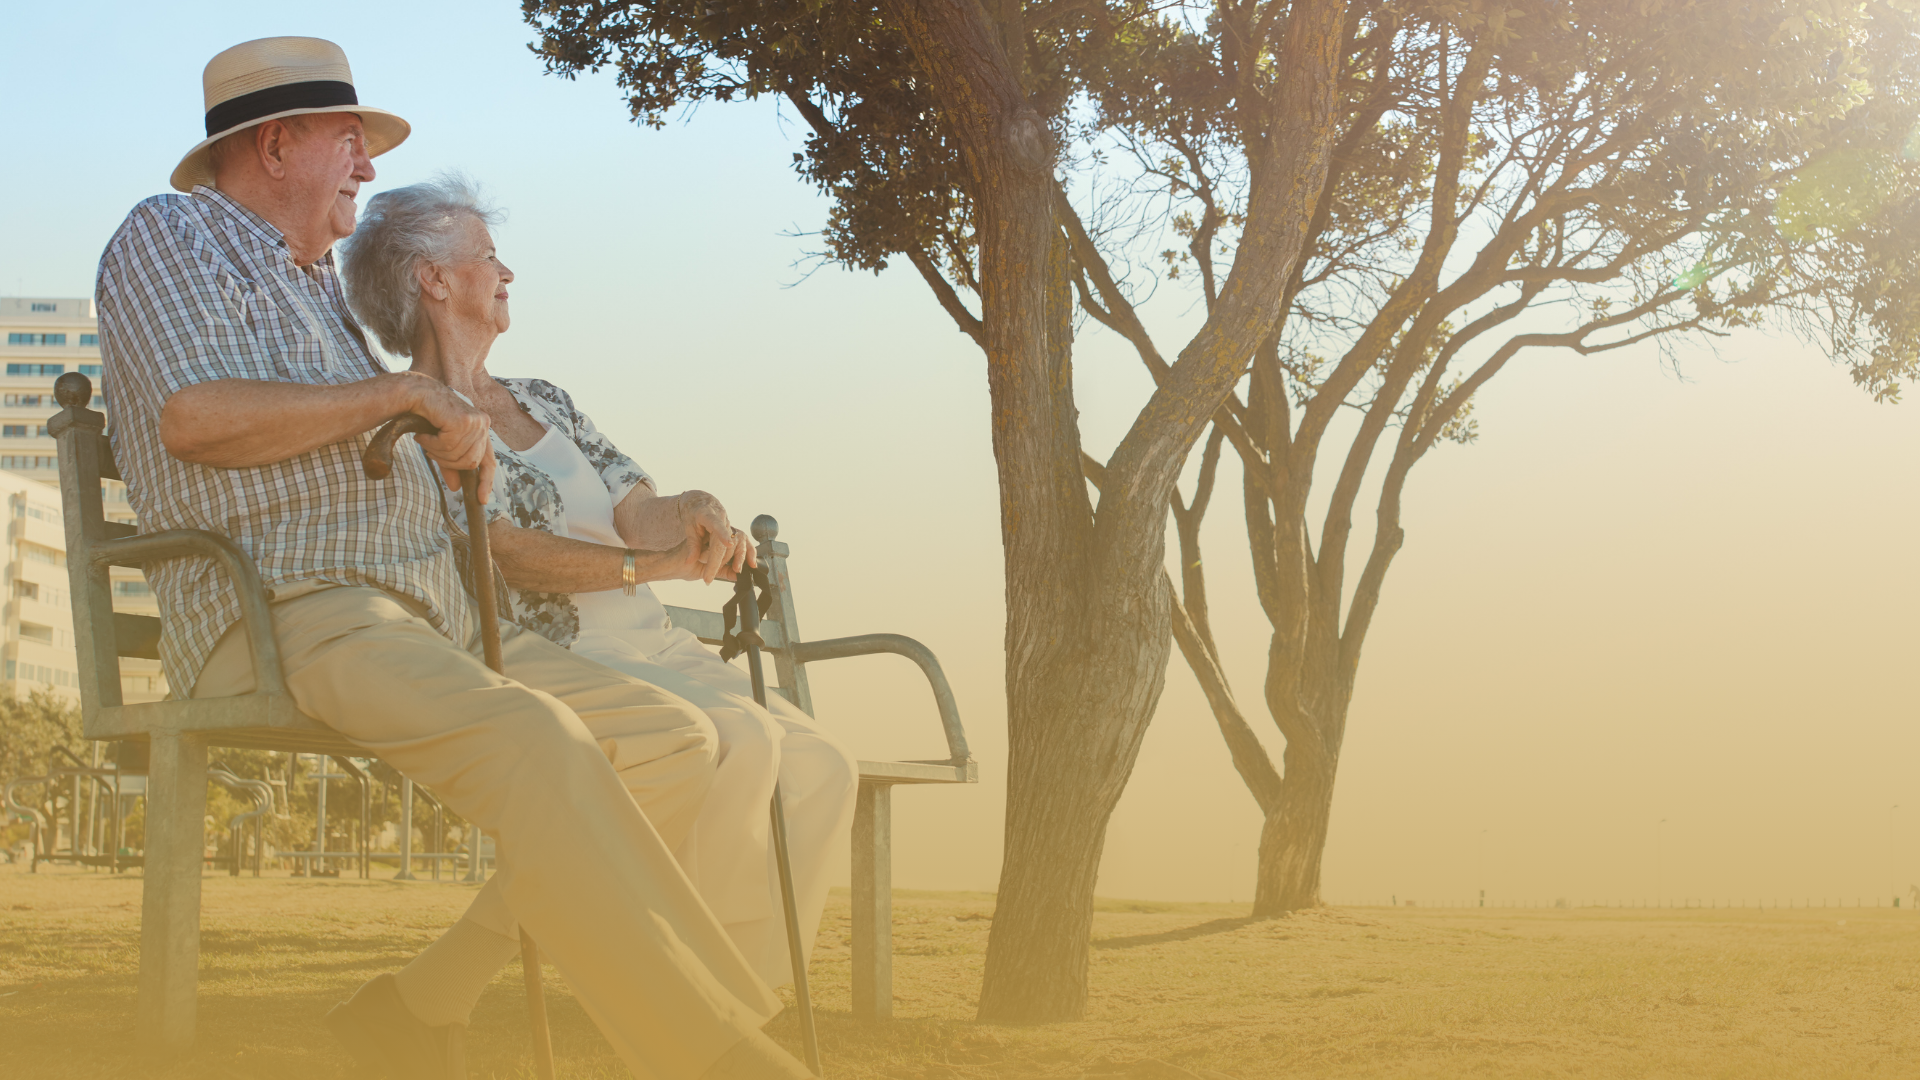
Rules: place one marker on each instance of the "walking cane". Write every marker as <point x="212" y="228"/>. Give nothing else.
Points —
<point x="749" y="639"/>
<point x="378" y="463"/>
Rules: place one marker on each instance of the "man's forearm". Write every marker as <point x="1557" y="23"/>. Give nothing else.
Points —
<point x="241" y="423"/>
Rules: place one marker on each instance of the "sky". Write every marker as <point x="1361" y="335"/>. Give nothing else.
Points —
<point x="1651" y="636"/>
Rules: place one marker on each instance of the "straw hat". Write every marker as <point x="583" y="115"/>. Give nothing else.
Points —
<point x="263" y="80"/>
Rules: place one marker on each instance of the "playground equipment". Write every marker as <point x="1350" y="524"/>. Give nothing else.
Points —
<point x="70" y="807"/>
<point x="178" y="733"/>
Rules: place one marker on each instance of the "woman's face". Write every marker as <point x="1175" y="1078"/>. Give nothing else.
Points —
<point x="478" y="283"/>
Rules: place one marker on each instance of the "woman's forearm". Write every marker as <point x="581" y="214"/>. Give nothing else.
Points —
<point x="539" y="560"/>
<point x="648" y="520"/>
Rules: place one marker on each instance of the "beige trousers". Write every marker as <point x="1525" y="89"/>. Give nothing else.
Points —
<point x="543" y="759"/>
<point x="729" y="854"/>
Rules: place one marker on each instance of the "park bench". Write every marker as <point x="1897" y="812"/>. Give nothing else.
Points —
<point x="179" y="732"/>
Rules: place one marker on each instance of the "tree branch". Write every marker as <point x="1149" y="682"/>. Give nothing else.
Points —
<point x="968" y="323"/>
<point x="1250" y="759"/>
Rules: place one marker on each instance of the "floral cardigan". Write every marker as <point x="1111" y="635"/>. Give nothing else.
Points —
<point x="530" y="499"/>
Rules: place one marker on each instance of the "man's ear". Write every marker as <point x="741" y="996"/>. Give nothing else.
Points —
<point x="272" y="141"/>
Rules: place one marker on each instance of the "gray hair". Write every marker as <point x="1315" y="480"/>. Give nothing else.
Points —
<point x="399" y="230"/>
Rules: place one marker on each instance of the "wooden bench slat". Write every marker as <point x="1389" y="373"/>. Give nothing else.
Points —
<point x="136" y="636"/>
<point x="706" y="626"/>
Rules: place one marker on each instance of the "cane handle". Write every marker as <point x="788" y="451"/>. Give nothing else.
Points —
<point x="377" y="459"/>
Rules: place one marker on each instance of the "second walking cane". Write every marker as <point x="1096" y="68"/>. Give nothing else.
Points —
<point x="747" y="609"/>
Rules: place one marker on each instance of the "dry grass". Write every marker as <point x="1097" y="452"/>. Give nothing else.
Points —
<point x="1180" y="990"/>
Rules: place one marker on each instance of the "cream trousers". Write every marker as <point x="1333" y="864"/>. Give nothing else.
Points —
<point x="729" y="854"/>
<point x="547" y="759"/>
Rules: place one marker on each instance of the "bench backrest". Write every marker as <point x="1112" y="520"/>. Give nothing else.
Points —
<point x="104" y="635"/>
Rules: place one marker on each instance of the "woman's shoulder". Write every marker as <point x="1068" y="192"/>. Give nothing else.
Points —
<point x="541" y="394"/>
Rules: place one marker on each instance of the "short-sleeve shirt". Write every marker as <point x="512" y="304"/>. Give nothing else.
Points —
<point x="526" y="496"/>
<point x="196" y="288"/>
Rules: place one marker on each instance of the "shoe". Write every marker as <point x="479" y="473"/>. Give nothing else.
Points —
<point x="385" y="1037"/>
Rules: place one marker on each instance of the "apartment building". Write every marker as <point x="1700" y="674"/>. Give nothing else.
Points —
<point x="47" y="337"/>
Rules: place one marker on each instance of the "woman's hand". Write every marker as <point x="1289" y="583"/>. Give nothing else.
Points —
<point x="688" y="533"/>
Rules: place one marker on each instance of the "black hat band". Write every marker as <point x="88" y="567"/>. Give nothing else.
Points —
<point x="322" y="94"/>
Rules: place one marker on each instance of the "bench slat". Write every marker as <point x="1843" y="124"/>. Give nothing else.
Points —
<point x="136" y="636"/>
<point x="706" y="626"/>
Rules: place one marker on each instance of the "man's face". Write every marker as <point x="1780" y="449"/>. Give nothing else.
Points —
<point x="326" y="161"/>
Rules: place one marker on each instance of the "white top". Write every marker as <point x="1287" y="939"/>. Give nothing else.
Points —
<point x="588" y="515"/>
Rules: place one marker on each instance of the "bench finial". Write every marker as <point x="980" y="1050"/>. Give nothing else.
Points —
<point x="73" y="390"/>
<point x="765" y="528"/>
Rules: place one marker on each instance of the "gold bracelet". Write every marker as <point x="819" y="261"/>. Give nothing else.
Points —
<point x="629" y="576"/>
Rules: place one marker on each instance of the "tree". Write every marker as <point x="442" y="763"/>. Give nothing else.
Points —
<point x="938" y="126"/>
<point x="1026" y="153"/>
<point x="1533" y="175"/>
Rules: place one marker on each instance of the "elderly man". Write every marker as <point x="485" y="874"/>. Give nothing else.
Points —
<point x="242" y="395"/>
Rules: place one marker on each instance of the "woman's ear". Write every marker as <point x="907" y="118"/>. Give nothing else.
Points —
<point x="433" y="280"/>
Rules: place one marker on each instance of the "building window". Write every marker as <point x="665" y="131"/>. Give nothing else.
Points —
<point x="132" y="588"/>
<point x="40" y="553"/>
<point x="44" y="307"/>
<point x="36" y="339"/>
<point x="99" y="401"/>
<point x="36" y="369"/>
<point x="26" y="590"/>
<point x="13" y="431"/>
<point x="94" y="340"/>
<point x="88" y="369"/>
<point x="41" y="673"/>
<point x="36" y="632"/>
<point x="29" y="461"/>
<point x="23" y="399"/>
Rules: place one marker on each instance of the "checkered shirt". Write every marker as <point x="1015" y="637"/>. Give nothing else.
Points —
<point x="195" y="288"/>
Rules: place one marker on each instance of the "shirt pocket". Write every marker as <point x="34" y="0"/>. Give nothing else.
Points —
<point x="230" y="303"/>
<point x="298" y="355"/>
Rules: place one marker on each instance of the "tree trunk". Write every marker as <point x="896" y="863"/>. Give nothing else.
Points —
<point x="1088" y="607"/>
<point x="1295" y="836"/>
<point x="1087" y="623"/>
<point x="1088" y="642"/>
<point x="1066" y="777"/>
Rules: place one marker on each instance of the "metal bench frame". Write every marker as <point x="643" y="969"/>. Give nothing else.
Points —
<point x="179" y="732"/>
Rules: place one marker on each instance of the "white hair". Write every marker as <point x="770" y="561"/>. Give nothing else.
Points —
<point x="398" y="231"/>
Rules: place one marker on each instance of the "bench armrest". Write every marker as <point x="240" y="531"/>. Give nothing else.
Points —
<point x="811" y="652"/>
<point x="138" y="551"/>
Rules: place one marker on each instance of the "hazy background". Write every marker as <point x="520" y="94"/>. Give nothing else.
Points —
<point x="1645" y="596"/>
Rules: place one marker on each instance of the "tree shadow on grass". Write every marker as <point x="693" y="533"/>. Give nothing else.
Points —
<point x="1184" y="933"/>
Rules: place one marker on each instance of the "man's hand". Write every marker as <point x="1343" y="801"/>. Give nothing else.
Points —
<point x="463" y="442"/>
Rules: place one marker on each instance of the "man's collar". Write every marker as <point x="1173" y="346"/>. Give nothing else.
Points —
<point x="260" y="226"/>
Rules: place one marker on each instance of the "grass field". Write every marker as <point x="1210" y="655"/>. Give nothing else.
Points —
<point x="1179" y="990"/>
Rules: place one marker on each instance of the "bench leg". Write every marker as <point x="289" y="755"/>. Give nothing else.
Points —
<point x="170" y="893"/>
<point x="873" y="901"/>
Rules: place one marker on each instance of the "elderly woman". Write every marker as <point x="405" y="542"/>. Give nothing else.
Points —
<point x="577" y="529"/>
